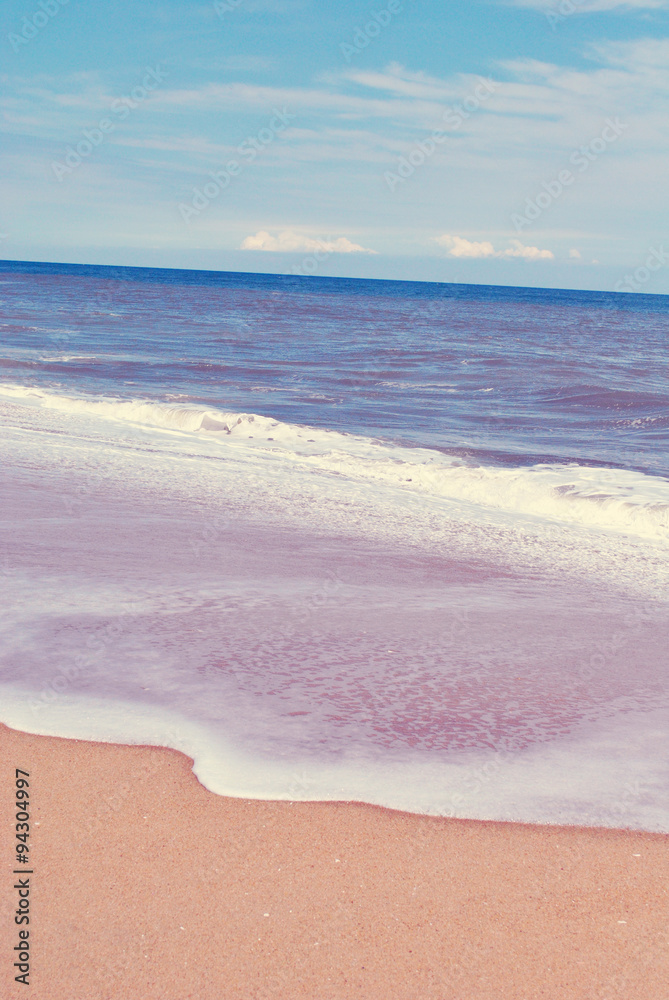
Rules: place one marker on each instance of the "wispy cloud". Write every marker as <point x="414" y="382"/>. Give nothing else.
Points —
<point x="350" y="125"/>
<point x="457" y="246"/>
<point x="595" y="6"/>
<point x="535" y="103"/>
<point x="641" y="56"/>
<point x="400" y="81"/>
<point x="289" y="241"/>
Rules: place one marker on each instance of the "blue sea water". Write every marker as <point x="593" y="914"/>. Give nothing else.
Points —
<point x="398" y="542"/>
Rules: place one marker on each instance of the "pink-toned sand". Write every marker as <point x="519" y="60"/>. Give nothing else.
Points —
<point x="148" y="887"/>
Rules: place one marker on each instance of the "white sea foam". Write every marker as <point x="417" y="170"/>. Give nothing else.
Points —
<point x="614" y="500"/>
<point x="609" y="776"/>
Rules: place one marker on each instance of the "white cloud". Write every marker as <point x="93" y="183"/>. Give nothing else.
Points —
<point x="457" y="246"/>
<point x="539" y="106"/>
<point x="575" y="254"/>
<point x="641" y="56"/>
<point x="518" y="249"/>
<point x="296" y="100"/>
<point x="404" y="83"/>
<point x="289" y="241"/>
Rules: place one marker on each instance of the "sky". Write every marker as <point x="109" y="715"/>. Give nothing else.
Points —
<point x="507" y="142"/>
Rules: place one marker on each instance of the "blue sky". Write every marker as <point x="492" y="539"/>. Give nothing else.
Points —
<point x="514" y="142"/>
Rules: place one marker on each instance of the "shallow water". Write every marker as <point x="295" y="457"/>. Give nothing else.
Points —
<point x="394" y="542"/>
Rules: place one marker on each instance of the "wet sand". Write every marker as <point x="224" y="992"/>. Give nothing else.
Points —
<point x="148" y="887"/>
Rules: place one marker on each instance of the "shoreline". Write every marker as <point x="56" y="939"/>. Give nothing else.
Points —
<point x="148" y="885"/>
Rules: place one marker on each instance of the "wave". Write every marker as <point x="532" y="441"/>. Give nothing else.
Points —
<point x="599" y="398"/>
<point x="597" y="497"/>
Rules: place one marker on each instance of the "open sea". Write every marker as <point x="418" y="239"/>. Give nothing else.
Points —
<point x="395" y="542"/>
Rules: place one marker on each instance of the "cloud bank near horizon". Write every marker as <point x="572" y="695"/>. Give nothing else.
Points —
<point x="288" y="241"/>
<point x="457" y="246"/>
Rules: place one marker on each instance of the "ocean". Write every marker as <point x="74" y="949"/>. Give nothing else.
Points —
<point x="394" y="542"/>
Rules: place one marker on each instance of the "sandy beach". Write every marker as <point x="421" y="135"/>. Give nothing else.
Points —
<point x="146" y="886"/>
